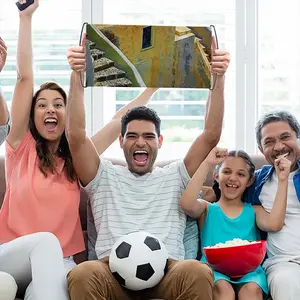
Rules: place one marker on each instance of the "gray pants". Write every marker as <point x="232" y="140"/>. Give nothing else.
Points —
<point x="36" y="264"/>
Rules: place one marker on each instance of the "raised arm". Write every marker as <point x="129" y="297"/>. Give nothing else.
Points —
<point x="189" y="201"/>
<point x="274" y="221"/>
<point x="3" y="106"/>
<point x="110" y="132"/>
<point x="214" y="114"/>
<point x="85" y="151"/>
<point x="84" y="154"/>
<point x="22" y="99"/>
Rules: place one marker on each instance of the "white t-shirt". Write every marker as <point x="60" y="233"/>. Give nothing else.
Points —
<point x="285" y="244"/>
<point x="123" y="202"/>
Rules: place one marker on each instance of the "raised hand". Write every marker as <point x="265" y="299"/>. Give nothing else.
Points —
<point x="28" y="11"/>
<point x="220" y="59"/>
<point x="3" y="54"/>
<point x="216" y="156"/>
<point x="76" y="56"/>
<point x="282" y="167"/>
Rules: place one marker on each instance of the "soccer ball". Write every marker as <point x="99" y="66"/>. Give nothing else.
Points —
<point x="138" y="260"/>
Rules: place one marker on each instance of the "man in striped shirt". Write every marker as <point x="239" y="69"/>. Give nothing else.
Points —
<point x="138" y="196"/>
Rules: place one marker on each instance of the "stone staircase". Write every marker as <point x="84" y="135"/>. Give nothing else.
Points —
<point x="105" y="72"/>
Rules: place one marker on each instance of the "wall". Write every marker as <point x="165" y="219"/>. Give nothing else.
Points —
<point x="153" y="63"/>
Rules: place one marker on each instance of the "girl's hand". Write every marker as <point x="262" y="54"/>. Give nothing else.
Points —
<point x="282" y="167"/>
<point x="216" y="156"/>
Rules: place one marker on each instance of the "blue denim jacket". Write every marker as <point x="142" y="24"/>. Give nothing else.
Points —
<point x="261" y="176"/>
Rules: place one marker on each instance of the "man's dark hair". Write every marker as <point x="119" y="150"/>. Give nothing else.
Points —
<point x="140" y="113"/>
<point x="276" y="116"/>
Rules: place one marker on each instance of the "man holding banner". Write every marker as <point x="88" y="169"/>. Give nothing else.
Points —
<point x="140" y="140"/>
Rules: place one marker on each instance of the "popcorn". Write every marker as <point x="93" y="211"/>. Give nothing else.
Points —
<point x="234" y="242"/>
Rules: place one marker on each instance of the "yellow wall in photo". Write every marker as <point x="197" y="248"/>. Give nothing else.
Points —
<point x="173" y="57"/>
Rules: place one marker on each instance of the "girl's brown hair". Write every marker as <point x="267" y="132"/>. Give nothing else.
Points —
<point x="46" y="158"/>
<point x="251" y="169"/>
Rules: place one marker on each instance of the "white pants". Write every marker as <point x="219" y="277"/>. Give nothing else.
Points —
<point x="36" y="263"/>
<point x="284" y="281"/>
<point x="8" y="287"/>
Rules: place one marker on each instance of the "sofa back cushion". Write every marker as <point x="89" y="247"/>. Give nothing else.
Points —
<point x="257" y="159"/>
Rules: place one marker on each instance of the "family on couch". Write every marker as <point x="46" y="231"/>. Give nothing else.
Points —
<point x="49" y="158"/>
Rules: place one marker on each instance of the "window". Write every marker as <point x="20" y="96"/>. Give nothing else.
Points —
<point x="264" y="73"/>
<point x="56" y="27"/>
<point x="182" y="110"/>
<point x="278" y="56"/>
<point x="147" y="37"/>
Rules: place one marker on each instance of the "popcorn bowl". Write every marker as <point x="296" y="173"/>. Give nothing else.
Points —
<point x="236" y="260"/>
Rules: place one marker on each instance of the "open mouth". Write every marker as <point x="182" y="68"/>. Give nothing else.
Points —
<point x="140" y="157"/>
<point x="50" y="124"/>
<point x="232" y="186"/>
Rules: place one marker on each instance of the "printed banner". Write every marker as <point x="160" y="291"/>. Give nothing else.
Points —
<point x="148" y="56"/>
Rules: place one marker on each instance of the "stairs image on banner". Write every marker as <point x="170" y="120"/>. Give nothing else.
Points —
<point x="105" y="72"/>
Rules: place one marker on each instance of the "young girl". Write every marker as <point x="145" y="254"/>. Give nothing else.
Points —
<point x="231" y="218"/>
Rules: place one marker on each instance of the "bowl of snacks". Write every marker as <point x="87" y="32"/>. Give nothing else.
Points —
<point x="235" y="258"/>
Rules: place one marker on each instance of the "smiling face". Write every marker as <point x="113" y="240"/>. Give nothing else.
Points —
<point x="233" y="177"/>
<point x="278" y="138"/>
<point x="140" y="145"/>
<point x="49" y="115"/>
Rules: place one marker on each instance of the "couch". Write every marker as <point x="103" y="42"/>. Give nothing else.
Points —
<point x="80" y="257"/>
<point x="258" y="160"/>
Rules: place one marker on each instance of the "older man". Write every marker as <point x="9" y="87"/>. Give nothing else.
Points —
<point x="278" y="133"/>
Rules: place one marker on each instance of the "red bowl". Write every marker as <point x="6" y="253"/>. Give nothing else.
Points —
<point x="236" y="261"/>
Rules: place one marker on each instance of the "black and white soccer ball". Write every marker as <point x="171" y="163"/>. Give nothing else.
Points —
<point x="138" y="260"/>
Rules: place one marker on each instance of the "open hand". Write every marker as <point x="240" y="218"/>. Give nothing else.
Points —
<point x="3" y="54"/>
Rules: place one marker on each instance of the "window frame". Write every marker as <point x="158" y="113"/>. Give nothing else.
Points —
<point x="246" y="112"/>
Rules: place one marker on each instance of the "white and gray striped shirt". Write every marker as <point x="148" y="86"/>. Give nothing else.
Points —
<point x="4" y="129"/>
<point x="122" y="202"/>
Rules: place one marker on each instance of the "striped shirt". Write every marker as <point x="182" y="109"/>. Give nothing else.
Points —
<point x="122" y="202"/>
<point x="4" y="129"/>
